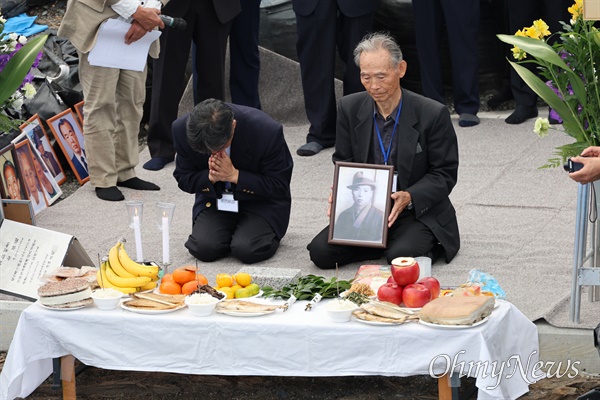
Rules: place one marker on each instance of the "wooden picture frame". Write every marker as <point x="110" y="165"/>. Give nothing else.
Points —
<point x="73" y="146"/>
<point x="13" y="187"/>
<point x="79" y="111"/>
<point x="361" y="204"/>
<point x="33" y="186"/>
<point x="41" y="144"/>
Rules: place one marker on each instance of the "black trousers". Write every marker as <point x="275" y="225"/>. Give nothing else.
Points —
<point x="406" y="238"/>
<point x="318" y="36"/>
<point x="246" y="236"/>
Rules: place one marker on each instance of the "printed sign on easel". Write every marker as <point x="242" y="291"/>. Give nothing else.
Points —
<point x="28" y="252"/>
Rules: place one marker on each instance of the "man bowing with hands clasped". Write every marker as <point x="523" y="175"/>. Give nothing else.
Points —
<point x="393" y="126"/>
<point x="237" y="163"/>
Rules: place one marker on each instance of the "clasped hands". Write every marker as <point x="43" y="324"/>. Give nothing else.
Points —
<point x="401" y="201"/>
<point x="220" y="168"/>
<point x="144" y="20"/>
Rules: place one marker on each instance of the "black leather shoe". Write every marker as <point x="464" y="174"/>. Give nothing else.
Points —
<point x="522" y="114"/>
<point x="138" y="184"/>
<point x="109" y="194"/>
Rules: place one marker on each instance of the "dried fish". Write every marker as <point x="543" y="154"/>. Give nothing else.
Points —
<point x="365" y="316"/>
<point x="383" y="310"/>
<point x="244" y="306"/>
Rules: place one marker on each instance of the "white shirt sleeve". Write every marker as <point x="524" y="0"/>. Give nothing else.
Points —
<point x="126" y="8"/>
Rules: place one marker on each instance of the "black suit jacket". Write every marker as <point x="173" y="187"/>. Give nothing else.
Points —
<point x="350" y="8"/>
<point x="261" y="155"/>
<point x="427" y="156"/>
<point x="226" y="10"/>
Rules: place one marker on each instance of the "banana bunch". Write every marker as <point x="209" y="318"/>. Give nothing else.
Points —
<point x="120" y="272"/>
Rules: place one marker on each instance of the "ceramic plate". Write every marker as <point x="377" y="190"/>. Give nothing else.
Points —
<point x="61" y="309"/>
<point x="244" y="314"/>
<point x="259" y="294"/>
<point x="437" y="326"/>
<point x="144" y="311"/>
<point x="362" y="321"/>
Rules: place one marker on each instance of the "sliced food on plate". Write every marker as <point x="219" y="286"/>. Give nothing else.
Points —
<point x="71" y="293"/>
<point x="462" y="310"/>
<point x="382" y="312"/>
<point x="154" y="301"/>
<point x="243" y="306"/>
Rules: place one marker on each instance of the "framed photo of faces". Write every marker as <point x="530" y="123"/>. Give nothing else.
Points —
<point x="13" y="186"/>
<point x="41" y="143"/>
<point x="69" y="135"/>
<point x="79" y="111"/>
<point x="360" y="204"/>
<point x="33" y="185"/>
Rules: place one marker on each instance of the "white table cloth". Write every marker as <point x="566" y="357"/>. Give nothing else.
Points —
<point x="292" y="343"/>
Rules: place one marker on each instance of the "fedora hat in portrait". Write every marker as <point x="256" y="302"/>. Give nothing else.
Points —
<point x="360" y="179"/>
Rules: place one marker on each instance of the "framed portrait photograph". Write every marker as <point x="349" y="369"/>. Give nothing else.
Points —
<point x="33" y="185"/>
<point x="13" y="186"/>
<point x="69" y="136"/>
<point x="79" y="110"/>
<point x="361" y="204"/>
<point x="41" y="144"/>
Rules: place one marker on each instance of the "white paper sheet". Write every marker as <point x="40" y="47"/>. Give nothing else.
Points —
<point x="112" y="52"/>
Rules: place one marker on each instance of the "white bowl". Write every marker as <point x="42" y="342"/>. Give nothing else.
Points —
<point x="106" y="299"/>
<point x="203" y="309"/>
<point x="340" y="311"/>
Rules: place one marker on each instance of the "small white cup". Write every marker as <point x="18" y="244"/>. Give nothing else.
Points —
<point x="424" y="266"/>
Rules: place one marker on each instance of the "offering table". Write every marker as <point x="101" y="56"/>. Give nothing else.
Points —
<point x="292" y="343"/>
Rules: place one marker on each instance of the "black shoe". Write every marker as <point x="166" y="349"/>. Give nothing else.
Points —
<point x="465" y="120"/>
<point x="109" y="194"/>
<point x="309" y="149"/>
<point x="157" y="163"/>
<point x="522" y="114"/>
<point x="138" y="184"/>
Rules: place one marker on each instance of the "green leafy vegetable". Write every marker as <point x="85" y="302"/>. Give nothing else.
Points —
<point x="307" y="286"/>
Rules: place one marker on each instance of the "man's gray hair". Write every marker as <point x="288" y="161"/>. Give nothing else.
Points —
<point x="209" y="126"/>
<point x="375" y="42"/>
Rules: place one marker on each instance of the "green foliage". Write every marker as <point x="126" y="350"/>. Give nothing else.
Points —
<point x="307" y="286"/>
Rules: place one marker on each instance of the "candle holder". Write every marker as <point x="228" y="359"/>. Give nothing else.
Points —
<point x="163" y="221"/>
<point x="134" y="208"/>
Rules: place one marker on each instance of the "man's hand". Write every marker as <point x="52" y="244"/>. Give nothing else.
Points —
<point x="135" y="33"/>
<point x="221" y="168"/>
<point x="148" y="18"/>
<point x="401" y="200"/>
<point x="592" y="151"/>
<point x="330" y="201"/>
<point x="591" y="167"/>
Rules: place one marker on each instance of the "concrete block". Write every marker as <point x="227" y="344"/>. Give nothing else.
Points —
<point x="274" y="277"/>
<point x="10" y="311"/>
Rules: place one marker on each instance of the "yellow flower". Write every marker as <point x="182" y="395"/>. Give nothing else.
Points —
<point x="541" y="28"/>
<point x="532" y="32"/>
<point x="518" y="54"/>
<point x="576" y="9"/>
<point x="541" y="127"/>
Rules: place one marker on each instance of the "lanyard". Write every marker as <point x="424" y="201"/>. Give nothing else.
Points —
<point x="386" y="154"/>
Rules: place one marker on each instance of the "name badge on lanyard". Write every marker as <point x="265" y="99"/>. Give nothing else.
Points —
<point x="227" y="203"/>
<point x="386" y="154"/>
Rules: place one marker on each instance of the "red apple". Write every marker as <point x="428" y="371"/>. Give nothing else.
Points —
<point x="405" y="270"/>
<point x="416" y="295"/>
<point x="391" y="280"/>
<point x="432" y="284"/>
<point x="390" y="292"/>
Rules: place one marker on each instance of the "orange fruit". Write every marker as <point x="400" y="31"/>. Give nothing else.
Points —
<point x="202" y="279"/>
<point x="167" y="278"/>
<point x="243" y="278"/>
<point x="170" y="288"/>
<point x="225" y="280"/>
<point x="183" y="275"/>
<point x="189" y="287"/>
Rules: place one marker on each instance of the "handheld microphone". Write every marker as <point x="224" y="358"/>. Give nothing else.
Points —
<point x="175" y="23"/>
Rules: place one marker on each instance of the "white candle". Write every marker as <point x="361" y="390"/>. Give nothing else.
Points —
<point x="138" y="237"/>
<point x="165" y="238"/>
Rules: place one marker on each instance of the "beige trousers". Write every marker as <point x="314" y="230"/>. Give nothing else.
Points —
<point x="113" y="108"/>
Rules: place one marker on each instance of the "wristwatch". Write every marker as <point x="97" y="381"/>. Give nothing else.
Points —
<point x="409" y="206"/>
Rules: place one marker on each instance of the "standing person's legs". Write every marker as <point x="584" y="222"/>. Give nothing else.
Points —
<point x="211" y="235"/>
<point x="462" y="20"/>
<point x="131" y="93"/>
<point x="254" y="239"/>
<point x="326" y="256"/>
<point x="316" y="51"/>
<point x="210" y="40"/>
<point x="428" y="24"/>
<point x="168" y="85"/>
<point x="244" y="54"/>
<point x="99" y="89"/>
<point x="350" y="33"/>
